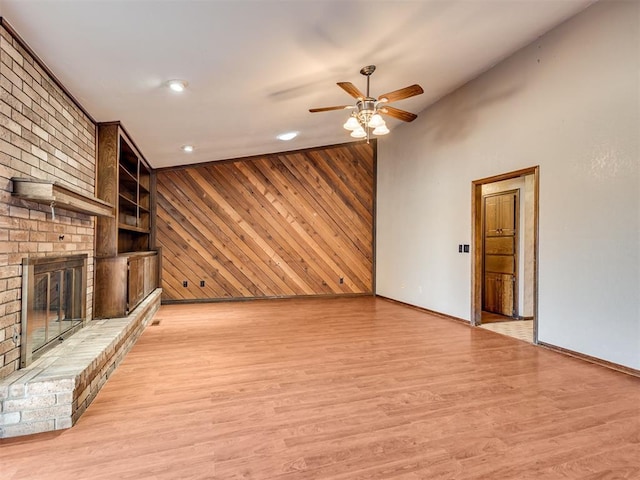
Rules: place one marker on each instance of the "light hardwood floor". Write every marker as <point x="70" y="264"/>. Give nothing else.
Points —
<point x="349" y="388"/>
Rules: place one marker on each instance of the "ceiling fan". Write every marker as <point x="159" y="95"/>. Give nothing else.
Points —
<point x="366" y="117"/>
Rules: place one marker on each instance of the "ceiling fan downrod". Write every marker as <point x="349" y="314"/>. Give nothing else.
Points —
<point x="366" y="106"/>
<point x="367" y="71"/>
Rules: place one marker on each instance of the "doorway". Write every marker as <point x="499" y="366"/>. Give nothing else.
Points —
<point x="504" y="248"/>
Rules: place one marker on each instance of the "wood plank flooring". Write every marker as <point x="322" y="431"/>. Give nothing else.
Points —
<point x="346" y="388"/>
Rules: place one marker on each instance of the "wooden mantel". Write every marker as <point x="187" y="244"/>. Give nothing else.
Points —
<point x="57" y="195"/>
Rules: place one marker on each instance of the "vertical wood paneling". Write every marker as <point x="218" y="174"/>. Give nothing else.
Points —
<point x="279" y="225"/>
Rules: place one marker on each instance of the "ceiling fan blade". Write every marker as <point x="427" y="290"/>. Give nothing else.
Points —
<point x="401" y="94"/>
<point x="328" y="109"/>
<point x="399" y="114"/>
<point x="351" y="89"/>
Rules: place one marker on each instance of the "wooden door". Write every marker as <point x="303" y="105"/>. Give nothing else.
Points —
<point x="500" y="214"/>
<point x="500" y="253"/>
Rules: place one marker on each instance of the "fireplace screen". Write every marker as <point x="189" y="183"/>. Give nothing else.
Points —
<point x="53" y="302"/>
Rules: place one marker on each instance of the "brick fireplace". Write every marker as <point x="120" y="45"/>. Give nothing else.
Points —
<point x="45" y="135"/>
<point x="53" y="357"/>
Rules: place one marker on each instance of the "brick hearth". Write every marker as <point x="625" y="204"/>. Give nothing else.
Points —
<point x="56" y="389"/>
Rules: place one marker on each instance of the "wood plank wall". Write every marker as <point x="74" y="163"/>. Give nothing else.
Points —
<point x="279" y="225"/>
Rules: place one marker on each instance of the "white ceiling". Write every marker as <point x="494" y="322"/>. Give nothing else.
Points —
<point x="255" y="67"/>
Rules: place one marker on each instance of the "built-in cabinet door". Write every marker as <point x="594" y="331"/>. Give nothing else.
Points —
<point x="500" y="253"/>
<point x="125" y="281"/>
<point x="150" y="274"/>
<point x="110" y="295"/>
<point x="136" y="282"/>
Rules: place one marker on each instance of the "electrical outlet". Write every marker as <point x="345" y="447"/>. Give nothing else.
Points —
<point x="202" y="283"/>
<point x="185" y="284"/>
<point x="466" y="248"/>
<point x="341" y="280"/>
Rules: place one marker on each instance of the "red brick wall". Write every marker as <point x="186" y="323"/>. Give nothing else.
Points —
<point x="44" y="135"/>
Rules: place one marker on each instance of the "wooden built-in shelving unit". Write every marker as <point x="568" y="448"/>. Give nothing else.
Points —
<point x="126" y="261"/>
<point x="134" y="226"/>
<point x="124" y="178"/>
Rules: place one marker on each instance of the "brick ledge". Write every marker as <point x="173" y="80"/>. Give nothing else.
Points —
<point x="56" y="389"/>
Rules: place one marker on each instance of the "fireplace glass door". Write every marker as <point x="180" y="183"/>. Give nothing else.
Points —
<point x="53" y="304"/>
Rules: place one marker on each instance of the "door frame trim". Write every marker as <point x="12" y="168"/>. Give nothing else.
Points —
<point x="476" y="242"/>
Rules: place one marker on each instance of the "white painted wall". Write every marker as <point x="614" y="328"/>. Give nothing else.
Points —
<point x="570" y="103"/>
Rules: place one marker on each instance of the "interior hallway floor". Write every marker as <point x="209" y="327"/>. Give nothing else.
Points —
<point x="520" y="329"/>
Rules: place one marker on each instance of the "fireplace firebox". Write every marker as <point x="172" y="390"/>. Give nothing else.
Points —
<point x="53" y="302"/>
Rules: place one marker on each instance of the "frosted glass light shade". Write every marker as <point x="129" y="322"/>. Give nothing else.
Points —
<point x="382" y="130"/>
<point x="376" y="121"/>
<point x="359" y="133"/>
<point x="352" y="124"/>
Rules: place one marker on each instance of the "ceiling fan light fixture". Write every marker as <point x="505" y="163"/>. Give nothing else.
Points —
<point x="187" y="148"/>
<point x="352" y="123"/>
<point x="366" y="118"/>
<point x="359" y="133"/>
<point x="381" y="130"/>
<point x="376" y="121"/>
<point x="177" y="86"/>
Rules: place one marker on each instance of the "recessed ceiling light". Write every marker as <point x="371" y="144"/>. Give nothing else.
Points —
<point x="187" y="148"/>
<point x="177" y="85"/>
<point x="287" y="136"/>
